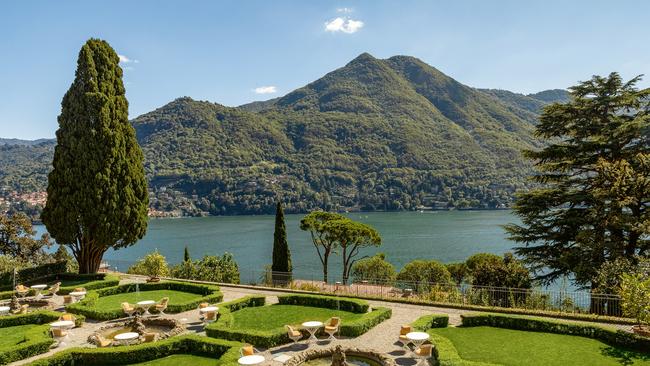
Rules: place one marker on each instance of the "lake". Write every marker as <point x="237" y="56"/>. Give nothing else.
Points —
<point x="447" y="236"/>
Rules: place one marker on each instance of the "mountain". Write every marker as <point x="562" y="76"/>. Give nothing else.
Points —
<point x="23" y="142"/>
<point x="375" y="134"/>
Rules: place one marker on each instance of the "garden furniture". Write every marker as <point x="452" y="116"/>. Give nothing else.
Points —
<point x="209" y="317"/>
<point x="312" y="327"/>
<point x="54" y="288"/>
<point x="67" y="299"/>
<point x="21" y="310"/>
<point x="294" y="335"/>
<point x="424" y="351"/>
<point x="37" y="291"/>
<point x="22" y="290"/>
<point x="128" y="309"/>
<point x="162" y="305"/>
<point x="417" y="338"/>
<point x="149" y="337"/>
<point x="68" y="316"/>
<point x="103" y="342"/>
<point x="126" y="338"/>
<point x="62" y="328"/>
<point x="78" y="294"/>
<point x="332" y="326"/>
<point x="4" y="310"/>
<point x="202" y="305"/>
<point x="145" y="305"/>
<point x="251" y="360"/>
<point x="403" y="340"/>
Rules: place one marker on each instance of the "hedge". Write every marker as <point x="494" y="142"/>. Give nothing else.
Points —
<point x="31" y="274"/>
<point x="611" y="336"/>
<point x="37" y="340"/>
<point x="224" y="327"/>
<point x="427" y="322"/>
<point x="228" y="352"/>
<point x="329" y="302"/>
<point x="87" y="308"/>
<point x="95" y="281"/>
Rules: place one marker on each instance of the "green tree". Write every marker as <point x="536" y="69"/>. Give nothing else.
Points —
<point x="153" y="265"/>
<point x="217" y="269"/>
<point x="375" y="269"/>
<point x="281" y="252"/>
<point x="424" y="274"/>
<point x="459" y="272"/>
<point x="323" y="240"/>
<point x="17" y="238"/>
<point x="351" y="237"/>
<point x="635" y="296"/>
<point x="592" y="202"/>
<point x="186" y="255"/>
<point x="97" y="191"/>
<point x="495" y="271"/>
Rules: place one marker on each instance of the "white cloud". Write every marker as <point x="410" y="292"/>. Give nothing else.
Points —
<point x="265" y="90"/>
<point x="126" y="60"/>
<point x="343" y="25"/>
<point x="344" y="10"/>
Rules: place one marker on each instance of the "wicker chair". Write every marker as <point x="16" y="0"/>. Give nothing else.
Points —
<point x="161" y="306"/>
<point x="67" y="300"/>
<point x="21" y="310"/>
<point x="332" y="326"/>
<point x="201" y="306"/>
<point x="68" y="316"/>
<point x="406" y="329"/>
<point x="210" y="317"/>
<point x="293" y="334"/>
<point x="424" y="352"/>
<point x="128" y="309"/>
<point x="59" y="333"/>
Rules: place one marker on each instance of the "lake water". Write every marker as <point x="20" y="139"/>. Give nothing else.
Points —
<point x="447" y="236"/>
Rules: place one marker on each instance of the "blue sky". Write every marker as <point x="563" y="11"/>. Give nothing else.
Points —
<point x="234" y="52"/>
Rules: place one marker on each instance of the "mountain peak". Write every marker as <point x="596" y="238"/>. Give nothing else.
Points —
<point x="364" y="57"/>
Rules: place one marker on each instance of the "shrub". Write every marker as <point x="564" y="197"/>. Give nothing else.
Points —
<point x="330" y="302"/>
<point x="188" y="344"/>
<point x="422" y="273"/>
<point x="87" y="307"/>
<point x="427" y="322"/>
<point x="374" y="270"/>
<point x="153" y="265"/>
<point x="491" y="270"/>
<point x="212" y="268"/>
<point x="610" y="336"/>
<point x="96" y="281"/>
<point x="459" y="272"/>
<point x="35" y="317"/>
<point x="635" y="295"/>
<point x="32" y="274"/>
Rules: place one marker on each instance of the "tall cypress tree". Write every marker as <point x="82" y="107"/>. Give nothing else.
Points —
<point x="281" y="252"/>
<point x="97" y="191"/>
<point x="186" y="255"/>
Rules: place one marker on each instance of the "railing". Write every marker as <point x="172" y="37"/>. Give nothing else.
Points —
<point x="465" y="294"/>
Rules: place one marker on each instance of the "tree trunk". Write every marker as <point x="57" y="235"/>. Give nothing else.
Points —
<point x="325" y="268"/>
<point x="89" y="258"/>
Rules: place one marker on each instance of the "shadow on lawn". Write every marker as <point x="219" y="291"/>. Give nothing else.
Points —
<point x="624" y="357"/>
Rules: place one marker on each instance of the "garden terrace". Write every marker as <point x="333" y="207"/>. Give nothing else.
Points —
<point x="70" y="281"/>
<point x="26" y="335"/>
<point x="105" y="304"/>
<point x="181" y="350"/>
<point x="249" y="320"/>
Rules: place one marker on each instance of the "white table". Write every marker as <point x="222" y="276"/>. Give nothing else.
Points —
<point x="78" y="295"/>
<point x="417" y="338"/>
<point x="312" y="327"/>
<point x="208" y="309"/>
<point x="4" y="310"/>
<point x="146" y="304"/>
<point x="251" y="360"/>
<point x="38" y="289"/>
<point x="127" y="337"/>
<point x="63" y="324"/>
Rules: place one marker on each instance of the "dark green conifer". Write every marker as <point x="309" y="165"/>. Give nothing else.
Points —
<point x="281" y="252"/>
<point x="186" y="255"/>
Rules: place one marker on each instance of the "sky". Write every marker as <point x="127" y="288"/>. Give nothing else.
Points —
<point x="235" y="52"/>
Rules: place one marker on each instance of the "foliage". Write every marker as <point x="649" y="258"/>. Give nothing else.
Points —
<point x="227" y="351"/>
<point x="340" y="303"/>
<point x="351" y="236"/>
<point x="459" y="272"/>
<point x="315" y="222"/>
<point x="608" y="335"/>
<point x="427" y="322"/>
<point x="375" y="270"/>
<point x="8" y="264"/>
<point x="491" y="270"/>
<point x="212" y="268"/>
<point x="17" y="238"/>
<point x="591" y="203"/>
<point x="635" y="295"/>
<point x="70" y="281"/>
<point x="422" y="274"/>
<point x="94" y="308"/>
<point x="97" y="192"/>
<point x="186" y="255"/>
<point x="62" y="255"/>
<point x="281" y="252"/>
<point x="153" y="264"/>
<point x="30" y="274"/>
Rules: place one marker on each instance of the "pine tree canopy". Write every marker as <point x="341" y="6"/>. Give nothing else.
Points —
<point x="592" y="204"/>
<point x="97" y="191"/>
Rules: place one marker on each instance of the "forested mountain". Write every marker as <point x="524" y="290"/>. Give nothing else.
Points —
<point x="375" y="135"/>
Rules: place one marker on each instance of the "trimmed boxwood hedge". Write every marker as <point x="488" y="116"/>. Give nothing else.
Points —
<point x="87" y="308"/>
<point x="329" y="302"/>
<point x="427" y="322"/>
<point x="31" y="274"/>
<point x="611" y="336"/>
<point x="223" y="328"/>
<point x="227" y="351"/>
<point x="37" y="340"/>
<point x="95" y="281"/>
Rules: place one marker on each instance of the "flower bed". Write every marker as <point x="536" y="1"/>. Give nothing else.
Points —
<point x="189" y="296"/>
<point x="226" y="352"/>
<point x="266" y="333"/>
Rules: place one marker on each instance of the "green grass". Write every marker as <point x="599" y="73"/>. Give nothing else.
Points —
<point x="113" y="302"/>
<point x="181" y="359"/>
<point x="11" y="336"/>
<point x="515" y="347"/>
<point x="277" y="316"/>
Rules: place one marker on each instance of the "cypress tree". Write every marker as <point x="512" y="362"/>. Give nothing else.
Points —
<point x="186" y="255"/>
<point x="97" y="191"/>
<point x="281" y="252"/>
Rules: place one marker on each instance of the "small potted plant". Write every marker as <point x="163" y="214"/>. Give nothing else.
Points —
<point x="635" y="297"/>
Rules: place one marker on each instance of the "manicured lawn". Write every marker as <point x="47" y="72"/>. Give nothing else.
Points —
<point x="277" y="316"/>
<point x="11" y="336"/>
<point x="113" y="301"/>
<point x="178" y="360"/>
<point x="514" y="347"/>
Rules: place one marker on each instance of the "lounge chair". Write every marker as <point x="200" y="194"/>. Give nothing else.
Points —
<point x="103" y="342"/>
<point x="128" y="309"/>
<point x="22" y="290"/>
<point x="332" y="326"/>
<point x="162" y="305"/>
<point x="55" y="288"/>
<point x="424" y="351"/>
<point x="406" y="329"/>
<point x="247" y="350"/>
<point x="293" y="334"/>
<point x="149" y="337"/>
<point x="21" y="310"/>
